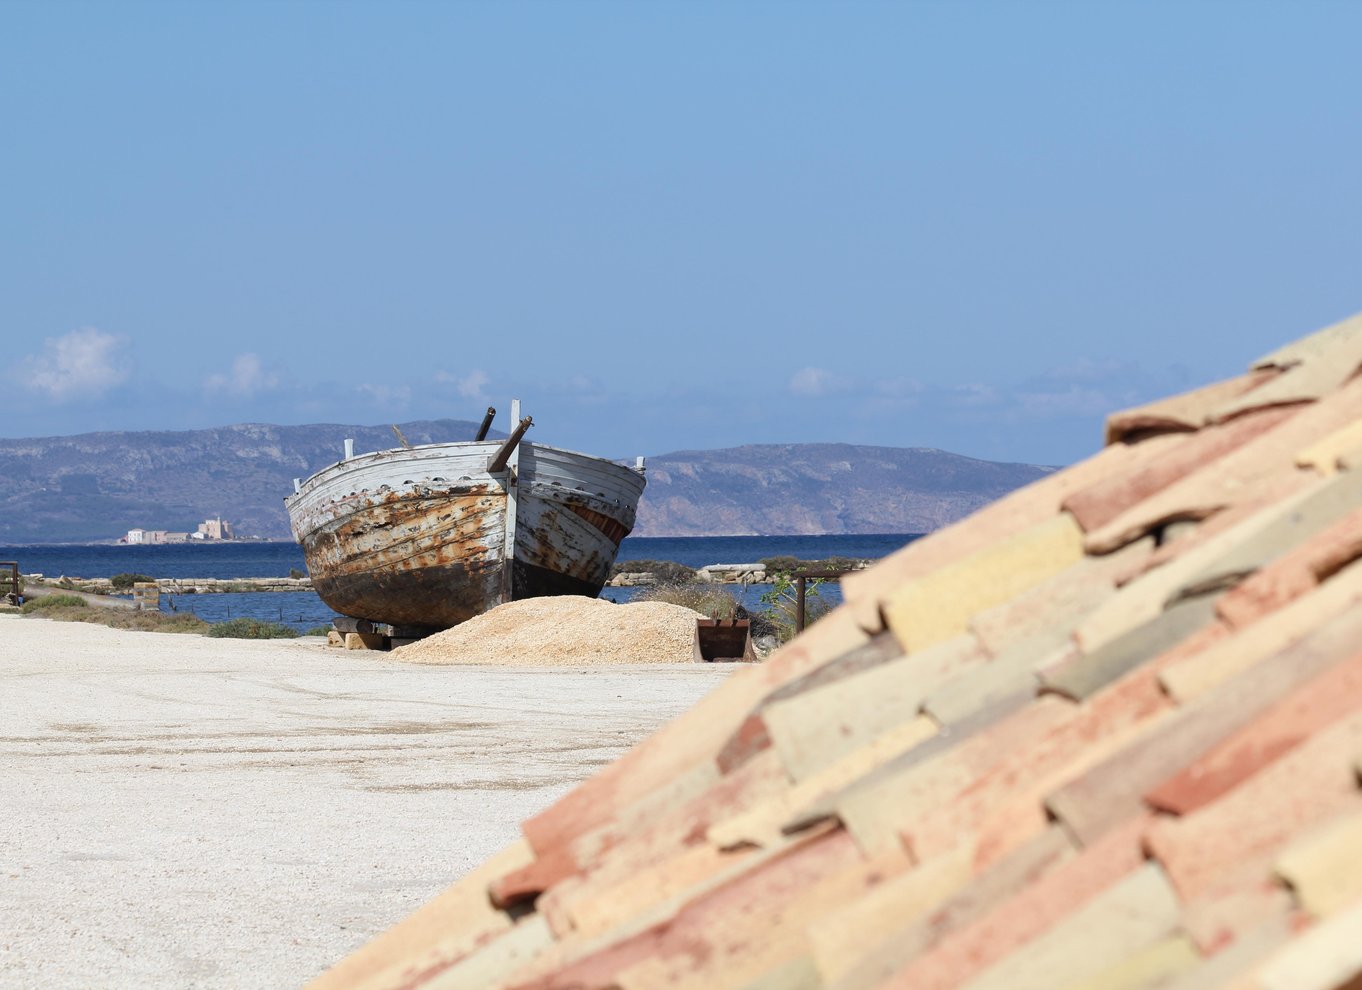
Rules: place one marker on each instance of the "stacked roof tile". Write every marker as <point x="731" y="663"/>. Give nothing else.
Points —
<point x="1106" y="732"/>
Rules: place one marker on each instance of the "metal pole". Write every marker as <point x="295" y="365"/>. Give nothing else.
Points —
<point x="799" y="604"/>
<point x="486" y="425"/>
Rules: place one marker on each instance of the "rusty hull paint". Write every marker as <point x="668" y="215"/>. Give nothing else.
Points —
<point x="427" y="558"/>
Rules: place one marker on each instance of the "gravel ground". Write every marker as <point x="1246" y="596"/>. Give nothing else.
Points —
<point x="185" y="812"/>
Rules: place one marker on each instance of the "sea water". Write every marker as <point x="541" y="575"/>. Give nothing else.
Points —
<point x="304" y="610"/>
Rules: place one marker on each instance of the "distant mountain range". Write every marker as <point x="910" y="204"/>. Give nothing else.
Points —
<point x="97" y="486"/>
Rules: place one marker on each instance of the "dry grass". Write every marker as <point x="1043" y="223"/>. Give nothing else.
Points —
<point x="69" y="608"/>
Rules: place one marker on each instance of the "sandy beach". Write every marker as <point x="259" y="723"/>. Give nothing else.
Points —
<point x="189" y="812"/>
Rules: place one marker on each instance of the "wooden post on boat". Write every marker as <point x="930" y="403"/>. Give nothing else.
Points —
<point x="486" y="424"/>
<point x="510" y="447"/>
<point x="508" y="457"/>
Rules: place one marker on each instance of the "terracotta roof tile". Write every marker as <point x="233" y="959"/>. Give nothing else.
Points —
<point x="1297" y="573"/>
<point x="984" y="892"/>
<point x="1153" y="965"/>
<point x="1323" y="867"/>
<point x="1332" y="695"/>
<point x="1325" y="957"/>
<point x="1011" y="923"/>
<point x="1002" y="802"/>
<point x="1113" y="790"/>
<point x="1235" y="959"/>
<point x="939" y="606"/>
<point x="1053" y="607"/>
<point x="1088" y="673"/>
<point x="1332" y="452"/>
<point x="815" y="729"/>
<point x="1236" y="904"/>
<point x="967" y="799"/>
<point x="1261" y="469"/>
<point x="1035" y="504"/>
<point x="1258" y="818"/>
<point x="1201" y="672"/>
<point x="1135" y="914"/>
<point x="1188" y="411"/>
<point x="1105" y="500"/>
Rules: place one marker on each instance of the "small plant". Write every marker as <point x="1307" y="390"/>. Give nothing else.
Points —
<point x="295" y="574"/>
<point x="782" y="603"/>
<point x="124" y="582"/>
<point x="49" y="603"/>
<point x="251" y="629"/>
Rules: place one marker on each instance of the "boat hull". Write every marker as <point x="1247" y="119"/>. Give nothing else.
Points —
<point x="418" y="537"/>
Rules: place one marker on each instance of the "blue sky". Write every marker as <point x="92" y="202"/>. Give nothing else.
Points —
<point x="974" y="226"/>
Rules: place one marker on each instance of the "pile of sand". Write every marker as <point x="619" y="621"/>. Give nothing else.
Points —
<point x="567" y="631"/>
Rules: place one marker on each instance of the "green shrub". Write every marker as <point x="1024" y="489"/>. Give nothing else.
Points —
<point x="251" y="629"/>
<point x="124" y="582"/>
<point x="294" y="573"/>
<point x="792" y="564"/>
<point x="52" y="602"/>
<point x="666" y="571"/>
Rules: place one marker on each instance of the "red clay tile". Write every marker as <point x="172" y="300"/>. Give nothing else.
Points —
<point x="1002" y="805"/>
<point x="1053" y="607"/>
<point x="1319" y="702"/>
<point x="724" y="926"/>
<point x="1257" y="818"/>
<point x="1295" y="574"/>
<point x="1201" y="533"/>
<point x="1082" y="675"/>
<point x="1000" y="882"/>
<point x="900" y="793"/>
<point x="1189" y="411"/>
<point x="1013" y="922"/>
<point x="1238" y="903"/>
<point x="1113" y="790"/>
<point x="1009" y="515"/>
<point x="695" y="737"/>
<point x="1264" y="466"/>
<point x="751" y="738"/>
<point x="1102" y="502"/>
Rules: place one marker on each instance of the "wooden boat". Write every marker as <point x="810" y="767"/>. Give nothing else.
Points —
<point x="430" y="536"/>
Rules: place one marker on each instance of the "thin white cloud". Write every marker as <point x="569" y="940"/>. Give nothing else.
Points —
<point x="387" y="396"/>
<point x="246" y="378"/>
<point x="470" y="386"/>
<point x="83" y="364"/>
<point x="814" y="382"/>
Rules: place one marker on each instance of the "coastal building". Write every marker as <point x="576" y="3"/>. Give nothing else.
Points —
<point x="214" y="529"/>
<point x="209" y="529"/>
